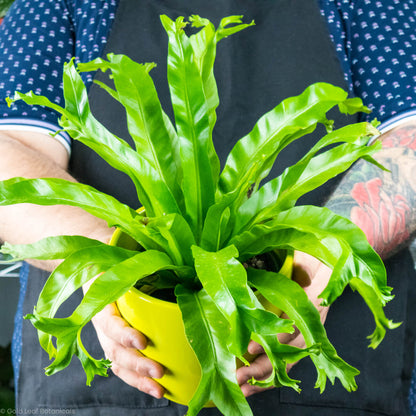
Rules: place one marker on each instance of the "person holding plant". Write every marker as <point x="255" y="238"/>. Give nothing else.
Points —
<point x="288" y="49"/>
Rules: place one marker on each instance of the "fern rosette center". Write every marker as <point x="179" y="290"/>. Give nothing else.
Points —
<point x="204" y="224"/>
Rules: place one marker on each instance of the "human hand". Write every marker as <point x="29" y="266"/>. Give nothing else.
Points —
<point x="121" y="344"/>
<point x="313" y="276"/>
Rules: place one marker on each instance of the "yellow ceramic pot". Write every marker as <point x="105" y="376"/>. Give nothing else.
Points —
<point x="161" y="322"/>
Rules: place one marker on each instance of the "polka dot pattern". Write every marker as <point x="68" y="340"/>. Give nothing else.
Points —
<point x="376" y="43"/>
<point x="375" y="40"/>
<point x="37" y="37"/>
<point x="412" y="394"/>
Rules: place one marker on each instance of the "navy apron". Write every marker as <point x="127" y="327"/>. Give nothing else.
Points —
<point x="288" y="49"/>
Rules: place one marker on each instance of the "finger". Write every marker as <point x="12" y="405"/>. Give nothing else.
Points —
<point x="129" y="358"/>
<point x="260" y="369"/>
<point x="109" y="322"/>
<point x="292" y="339"/>
<point x="132" y="360"/>
<point x="248" y="390"/>
<point x="255" y="348"/>
<point x="144" y="384"/>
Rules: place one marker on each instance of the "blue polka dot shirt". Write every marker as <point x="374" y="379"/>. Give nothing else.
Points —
<point x="375" y="42"/>
<point x="36" y="38"/>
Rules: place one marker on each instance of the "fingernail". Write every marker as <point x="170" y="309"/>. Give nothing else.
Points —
<point x="155" y="393"/>
<point x="138" y="344"/>
<point x="154" y="373"/>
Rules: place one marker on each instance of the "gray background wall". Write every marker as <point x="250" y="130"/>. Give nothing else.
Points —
<point x="9" y="292"/>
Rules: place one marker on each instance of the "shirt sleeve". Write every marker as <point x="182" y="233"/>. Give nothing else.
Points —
<point x="376" y="43"/>
<point x="36" y="38"/>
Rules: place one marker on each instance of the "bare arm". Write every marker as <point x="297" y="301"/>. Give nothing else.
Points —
<point x="36" y="155"/>
<point x="383" y="204"/>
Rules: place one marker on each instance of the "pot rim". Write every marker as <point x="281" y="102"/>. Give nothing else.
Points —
<point x="151" y="299"/>
<point x="285" y="269"/>
<point x="146" y="297"/>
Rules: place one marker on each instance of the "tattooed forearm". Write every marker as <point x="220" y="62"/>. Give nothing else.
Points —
<point x="383" y="204"/>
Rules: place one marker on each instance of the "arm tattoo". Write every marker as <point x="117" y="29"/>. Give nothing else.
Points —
<point x="383" y="204"/>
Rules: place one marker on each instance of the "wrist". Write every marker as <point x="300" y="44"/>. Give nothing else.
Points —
<point x="381" y="202"/>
